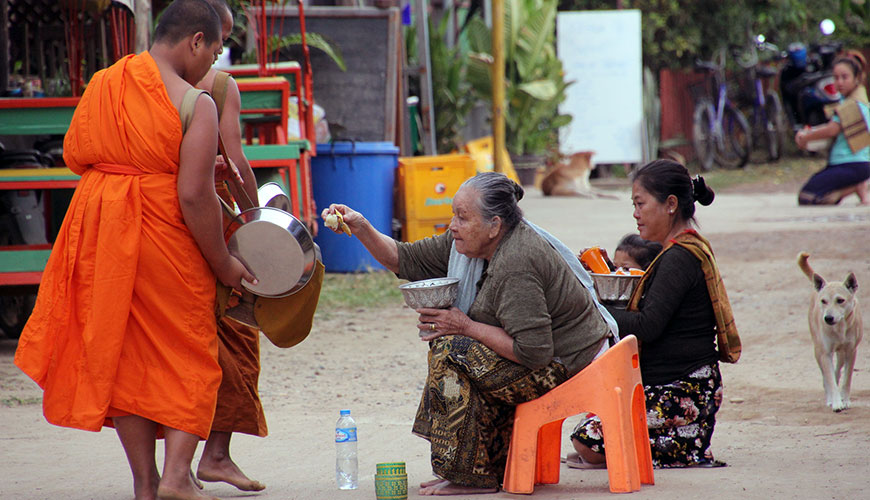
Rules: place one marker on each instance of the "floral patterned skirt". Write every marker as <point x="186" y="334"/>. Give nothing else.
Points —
<point x="467" y="409"/>
<point x="680" y="415"/>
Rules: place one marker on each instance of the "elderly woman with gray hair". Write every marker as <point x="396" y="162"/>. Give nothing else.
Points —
<point x="525" y="321"/>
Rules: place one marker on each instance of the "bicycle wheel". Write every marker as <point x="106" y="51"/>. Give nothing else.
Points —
<point x="775" y="128"/>
<point x="736" y="144"/>
<point x="702" y="134"/>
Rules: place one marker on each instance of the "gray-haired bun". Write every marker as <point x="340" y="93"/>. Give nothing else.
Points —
<point x="518" y="191"/>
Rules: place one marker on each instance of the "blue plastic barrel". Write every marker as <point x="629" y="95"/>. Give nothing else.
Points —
<point x="361" y="176"/>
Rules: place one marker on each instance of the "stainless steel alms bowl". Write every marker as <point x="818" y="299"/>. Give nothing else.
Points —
<point x="615" y="288"/>
<point x="276" y="247"/>
<point x="272" y="195"/>
<point x="436" y="293"/>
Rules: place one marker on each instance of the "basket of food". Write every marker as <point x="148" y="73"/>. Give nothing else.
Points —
<point x="615" y="289"/>
<point x="435" y="293"/>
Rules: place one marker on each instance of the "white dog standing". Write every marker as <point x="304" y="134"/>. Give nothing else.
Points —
<point x="836" y="329"/>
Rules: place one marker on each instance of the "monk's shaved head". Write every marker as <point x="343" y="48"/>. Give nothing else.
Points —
<point x="187" y="17"/>
<point x="223" y="9"/>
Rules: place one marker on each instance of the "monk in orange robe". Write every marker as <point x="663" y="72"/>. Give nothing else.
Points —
<point x="123" y="331"/>
<point x="238" y="404"/>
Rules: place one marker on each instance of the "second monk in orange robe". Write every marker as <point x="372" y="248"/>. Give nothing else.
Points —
<point x="238" y="403"/>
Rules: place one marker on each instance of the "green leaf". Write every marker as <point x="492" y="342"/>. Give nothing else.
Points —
<point x="534" y="79"/>
<point x="543" y="90"/>
<point x="479" y="36"/>
<point x="312" y="40"/>
<point x="561" y="121"/>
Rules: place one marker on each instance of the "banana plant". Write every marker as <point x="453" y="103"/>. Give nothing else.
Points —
<point x="451" y="91"/>
<point x="314" y="40"/>
<point x="534" y="80"/>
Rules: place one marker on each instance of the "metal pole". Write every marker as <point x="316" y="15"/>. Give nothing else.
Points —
<point x="498" y="142"/>
<point x="427" y="110"/>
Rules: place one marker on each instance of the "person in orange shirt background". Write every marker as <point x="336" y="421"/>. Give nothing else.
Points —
<point x="123" y="333"/>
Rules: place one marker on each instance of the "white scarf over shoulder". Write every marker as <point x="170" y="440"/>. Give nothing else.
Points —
<point x="469" y="270"/>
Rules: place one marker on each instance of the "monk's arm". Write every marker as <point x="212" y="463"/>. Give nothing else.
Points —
<point x="231" y="132"/>
<point x="196" y="194"/>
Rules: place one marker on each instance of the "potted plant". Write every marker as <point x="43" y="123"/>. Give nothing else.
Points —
<point x="534" y="81"/>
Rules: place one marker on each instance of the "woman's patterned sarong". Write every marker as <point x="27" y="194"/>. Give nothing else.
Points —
<point x="680" y="416"/>
<point x="467" y="408"/>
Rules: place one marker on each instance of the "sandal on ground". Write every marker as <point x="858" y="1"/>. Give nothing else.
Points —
<point x="711" y="464"/>
<point x="575" y="461"/>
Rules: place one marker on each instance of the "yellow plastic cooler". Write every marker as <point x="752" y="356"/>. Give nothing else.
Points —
<point x="426" y="186"/>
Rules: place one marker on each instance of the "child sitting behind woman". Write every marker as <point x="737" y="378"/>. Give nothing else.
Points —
<point x="634" y="252"/>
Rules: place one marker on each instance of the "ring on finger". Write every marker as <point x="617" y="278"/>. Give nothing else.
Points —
<point x="432" y="326"/>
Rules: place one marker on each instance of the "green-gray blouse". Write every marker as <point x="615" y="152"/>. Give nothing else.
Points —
<point x="528" y="290"/>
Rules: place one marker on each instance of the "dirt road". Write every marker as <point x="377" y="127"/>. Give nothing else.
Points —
<point x="774" y="430"/>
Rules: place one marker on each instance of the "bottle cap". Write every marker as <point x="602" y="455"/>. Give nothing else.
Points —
<point x="344" y="412"/>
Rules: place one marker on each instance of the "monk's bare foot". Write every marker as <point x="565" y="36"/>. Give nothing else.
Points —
<point x="225" y="470"/>
<point x="145" y="494"/>
<point x="165" y="492"/>
<point x="147" y="491"/>
<point x="431" y="482"/>
<point x="445" y="488"/>
<point x="196" y="481"/>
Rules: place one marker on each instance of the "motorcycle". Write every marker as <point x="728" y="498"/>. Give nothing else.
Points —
<point x="807" y="82"/>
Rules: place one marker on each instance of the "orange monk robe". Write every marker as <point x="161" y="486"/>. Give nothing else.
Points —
<point x="238" y="403"/>
<point x="124" y="320"/>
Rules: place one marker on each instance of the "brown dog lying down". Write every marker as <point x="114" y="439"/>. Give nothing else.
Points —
<point x="572" y="178"/>
<point x="836" y="329"/>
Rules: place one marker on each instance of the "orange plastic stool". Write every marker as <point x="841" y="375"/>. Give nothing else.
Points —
<point x="611" y="388"/>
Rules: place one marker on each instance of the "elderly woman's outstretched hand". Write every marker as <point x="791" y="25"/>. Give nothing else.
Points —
<point x="351" y="217"/>
<point x="436" y="323"/>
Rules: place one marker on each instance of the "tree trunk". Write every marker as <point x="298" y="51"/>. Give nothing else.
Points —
<point x="143" y="25"/>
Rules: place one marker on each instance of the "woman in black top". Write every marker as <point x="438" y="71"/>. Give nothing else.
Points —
<point x="673" y="318"/>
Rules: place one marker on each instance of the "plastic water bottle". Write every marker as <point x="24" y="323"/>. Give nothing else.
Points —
<point x="346" y="466"/>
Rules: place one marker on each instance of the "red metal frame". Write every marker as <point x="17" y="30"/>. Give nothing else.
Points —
<point x="33" y="185"/>
<point x="272" y="69"/>
<point x="40" y="102"/>
<point x="300" y="90"/>
<point x="73" y="31"/>
<point x="306" y="102"/>
<point x="287" y="169"/>
<point x="306" y="108"/>
<point x="20" y="278"/>
<point x="303" y="92"/>
<point x="278" y="134"/>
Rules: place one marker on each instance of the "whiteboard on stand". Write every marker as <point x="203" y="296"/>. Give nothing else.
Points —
<point x="601" y="53"/>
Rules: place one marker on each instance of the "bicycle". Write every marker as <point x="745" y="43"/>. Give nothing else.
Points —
<point x="720" y="132"/>
<point x="767" y="120"/>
